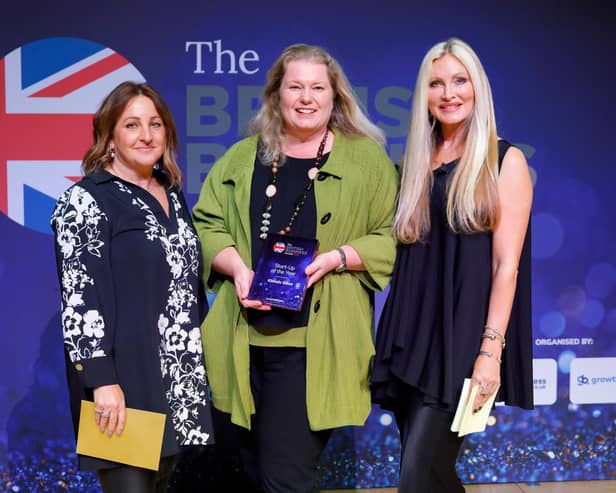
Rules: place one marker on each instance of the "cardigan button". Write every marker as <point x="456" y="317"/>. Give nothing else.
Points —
<point x="317" y="305"/>
<point x="78" y="367"/>
<point x="326" y="218"/>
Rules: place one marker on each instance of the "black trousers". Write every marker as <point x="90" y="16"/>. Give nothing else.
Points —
<point x="129" y="479"/>
<point x="280" y="452"/>
<point x="429" y="450"/>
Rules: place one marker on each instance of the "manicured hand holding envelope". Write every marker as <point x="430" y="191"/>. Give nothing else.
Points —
<point x="139" y="444"/>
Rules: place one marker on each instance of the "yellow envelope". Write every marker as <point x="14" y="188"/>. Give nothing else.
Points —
<point x="465" y="420"/>
<point x="139" y="444"/>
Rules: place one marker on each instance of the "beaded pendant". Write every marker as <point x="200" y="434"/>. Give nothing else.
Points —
<point x="271" y="190"/>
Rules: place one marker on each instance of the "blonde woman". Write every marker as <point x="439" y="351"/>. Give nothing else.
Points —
<point x="314" y="167"/>
<point x="461" y="282"/>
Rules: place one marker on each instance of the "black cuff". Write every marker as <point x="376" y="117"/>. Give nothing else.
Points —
<point x="96" y="371"/>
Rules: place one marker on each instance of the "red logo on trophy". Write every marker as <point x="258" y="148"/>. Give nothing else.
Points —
<point x="279" y="246"/>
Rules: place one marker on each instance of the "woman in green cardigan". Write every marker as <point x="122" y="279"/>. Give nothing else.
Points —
<point x="314" y="167"/>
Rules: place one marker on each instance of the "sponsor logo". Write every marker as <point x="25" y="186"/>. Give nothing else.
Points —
<point x="49" y="90"/>
<point x="592" y="381"/>
<point x="545" y="378"/>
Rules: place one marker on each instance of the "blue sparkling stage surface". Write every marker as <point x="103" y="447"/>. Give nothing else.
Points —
<point x="551" y="443"/>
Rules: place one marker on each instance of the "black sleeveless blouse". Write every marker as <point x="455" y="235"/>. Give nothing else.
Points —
<point x="430" y="328"/>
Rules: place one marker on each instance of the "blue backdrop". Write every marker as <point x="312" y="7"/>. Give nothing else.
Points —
<point x="551" y="69"/>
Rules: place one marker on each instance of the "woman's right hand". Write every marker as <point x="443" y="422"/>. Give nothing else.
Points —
<point x="242" y="278"/>
<point x="229" y="263"/>
<point x="110" y="409"/>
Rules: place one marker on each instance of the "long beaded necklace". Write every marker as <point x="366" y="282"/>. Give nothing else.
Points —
<point x="271" y="190"/>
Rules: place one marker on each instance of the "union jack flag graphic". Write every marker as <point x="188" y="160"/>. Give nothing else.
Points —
<point x="49" y="90"/>
<point x="279" y="246"/>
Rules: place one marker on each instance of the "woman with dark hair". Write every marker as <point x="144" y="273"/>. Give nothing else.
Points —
<point x="314" y="167"/>
<point x="129" y="260"/>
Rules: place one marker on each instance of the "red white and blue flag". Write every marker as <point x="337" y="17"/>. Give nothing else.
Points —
<point x="49" y="90"/>
<point x="280" y="246"/>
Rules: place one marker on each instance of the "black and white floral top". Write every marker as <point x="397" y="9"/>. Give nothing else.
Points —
<point x="132" y="303"/>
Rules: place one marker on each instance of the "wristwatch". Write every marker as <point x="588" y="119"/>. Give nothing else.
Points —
<point x="342" y="267"/>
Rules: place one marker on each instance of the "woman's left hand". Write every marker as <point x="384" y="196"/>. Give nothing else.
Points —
<point x="321" y="265"/>
<point x="486" y="374"/>
<point x="110" y="408"/>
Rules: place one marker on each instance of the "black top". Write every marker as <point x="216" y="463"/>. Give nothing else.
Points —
<point x="132" y="304"/>
<point x="430" y="328"/>
<point x="291" y="178"/>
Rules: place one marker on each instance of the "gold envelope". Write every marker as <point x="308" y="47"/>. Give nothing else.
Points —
<point x="139" y="444"/>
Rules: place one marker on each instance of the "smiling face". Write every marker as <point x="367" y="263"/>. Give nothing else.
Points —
<point x="306" y="98"/>
<point x="451" y="96"/>
<point x="139" y="136"/>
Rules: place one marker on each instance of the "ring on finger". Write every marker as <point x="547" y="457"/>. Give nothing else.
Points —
<point x="485" y="390"/>
<point x="105" y="414"/>
<point x="99" y="411"/>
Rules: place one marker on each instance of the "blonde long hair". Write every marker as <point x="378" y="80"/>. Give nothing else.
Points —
<point x="347" y="115"/>
<point x="106" y="118"/>
<point x="472" y="199"/>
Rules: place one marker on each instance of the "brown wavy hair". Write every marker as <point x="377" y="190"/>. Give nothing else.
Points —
<point x="106" y="118"/>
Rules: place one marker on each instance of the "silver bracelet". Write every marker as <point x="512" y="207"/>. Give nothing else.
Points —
<point x="342" y="267"/>
<point x="495" y="333"/>
<point x="493" y="337"/>
<point x="489" y="354"/>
